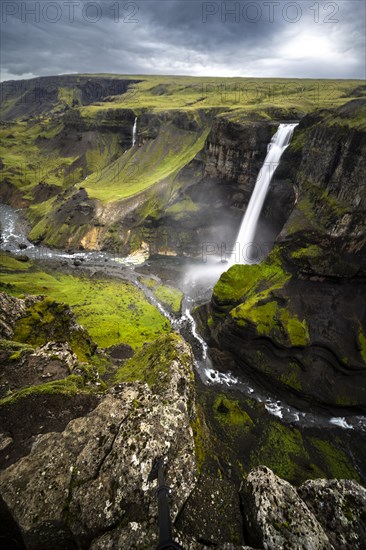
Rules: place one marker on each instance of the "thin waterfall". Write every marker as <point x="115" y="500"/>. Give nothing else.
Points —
<point x="248" y="227"/>
<point x="134" y="131"/>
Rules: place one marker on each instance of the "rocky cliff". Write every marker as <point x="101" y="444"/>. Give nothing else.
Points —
<point x="76" y="455"/>
<point x="184" y="183"/>
<point x="301" y="314"/>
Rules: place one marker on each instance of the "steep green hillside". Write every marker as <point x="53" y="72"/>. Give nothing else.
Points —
<point x="66" y="151"/>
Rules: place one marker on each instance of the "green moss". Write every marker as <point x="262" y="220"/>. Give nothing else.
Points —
<point x="10" y="263"/>
<point x="153" y="360"/>
<point x="14" y="351"/>
<point x="272" y="320"/>
<point x="362" y="342"/>
<point x="337" y="463"/>
<point x="201" y="437"/>
<point x="291" y="376"/>
<point x="170" y="296"/>
<point x="318" y="207"/>
<point x="296" y="330"/>
<point x="282" y="449"/>
<point x="345" y="401"/>
<point x="250" y="283"/>
<point x="48" y="320"/>
<point x="111" y="311"/>
<point x="72" y="385"/>
<point x="228" y="411"/>
<point x="311" y="251"/>
<point x="264" y="317"/>
<point x="150" y="283"/>
<point x="180" y="209"/>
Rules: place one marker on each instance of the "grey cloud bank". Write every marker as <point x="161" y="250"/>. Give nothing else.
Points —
<point x="252" y="38"/>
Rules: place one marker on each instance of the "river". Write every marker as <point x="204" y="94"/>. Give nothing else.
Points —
<point x="196" y="280"/>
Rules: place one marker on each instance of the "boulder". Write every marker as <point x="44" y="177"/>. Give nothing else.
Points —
<point x="276" y="517"/>
<point x="340" y="507"/>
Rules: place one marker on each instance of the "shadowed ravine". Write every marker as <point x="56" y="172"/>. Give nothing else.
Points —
<point x="195" y="290"/>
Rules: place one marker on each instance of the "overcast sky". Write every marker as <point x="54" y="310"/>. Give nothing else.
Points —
<point x="248" y="38"/>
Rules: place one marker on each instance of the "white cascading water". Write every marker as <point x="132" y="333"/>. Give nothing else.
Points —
<point x="134" y="130"/>
<point x="248" y="227"/>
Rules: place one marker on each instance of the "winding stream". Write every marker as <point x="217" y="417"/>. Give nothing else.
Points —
<point x="197" y="283"/>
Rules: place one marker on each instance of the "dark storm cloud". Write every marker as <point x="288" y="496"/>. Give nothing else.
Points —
<point x="248" y="38"/>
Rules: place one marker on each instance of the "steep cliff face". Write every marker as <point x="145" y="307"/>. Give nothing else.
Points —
<point x="184" y="183"/>
<point x="301" y="314"/>
<point x="214" y="189"/>
<point x="37" y="96"/>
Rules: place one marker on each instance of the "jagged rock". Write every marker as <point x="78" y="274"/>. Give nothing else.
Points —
<point x="60" y="350"/>
<point x="212" y="512"/>
<point x="76" y="485"/>
<point x="276" y="517"/>
<point x="340" y="507"/>
<point x="11" y="309"/>
<point x="22" y="367"/>
<point x="143" y="536"/>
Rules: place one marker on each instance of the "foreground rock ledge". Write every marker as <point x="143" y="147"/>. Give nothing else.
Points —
<point x="76" y="485"/>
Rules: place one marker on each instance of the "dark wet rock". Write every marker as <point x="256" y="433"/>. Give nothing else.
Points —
<point x="340" y="507"/>
<point x="212" y="512"/>
<point x="35" y="414"/>
<point x="321" y="252"/>
<point x="23" y="258"/>
<point x="275" y="515"/>
<point x="76" y="263"/>
<point x="23" y="246"/>
<point x="120" y="351"/>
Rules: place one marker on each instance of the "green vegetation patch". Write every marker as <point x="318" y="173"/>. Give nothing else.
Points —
<point x="236" y="96"/>
<point x="152" y="360"/>
<point x="147" y="281"/>
<point x="282" y="449"/>
<point x="229" y="412"/>
<point x="141" y="167"/>
<point x="180" y="209"/>
<point x="291" y="377"/>
<point x="70" y="386"/>
<point x="337" y="464"/>
<point x="111" y="311"/>
<point x="47" y="320"/>
<point x="362" y="342"/>
<point x="172" y="297"/>
<point x="10" y="263"/>
<point x="13" y="351"/>
<point x="311" y="251"/>
<point x="250" y="283"/>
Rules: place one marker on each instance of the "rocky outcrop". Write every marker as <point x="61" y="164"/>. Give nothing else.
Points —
<point x="340" y="506"/>
<point x="277" y="517"/>
<point x="300" y="314"/>
<point x="321" y="514"/>
<point x="93" y="477"/>
<point x="23" y="366"/>
<point x="11" y="309"/>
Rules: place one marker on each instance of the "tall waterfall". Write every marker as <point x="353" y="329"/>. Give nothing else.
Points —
<point x="134" y="130"/>
<point x="248" y="227"/>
